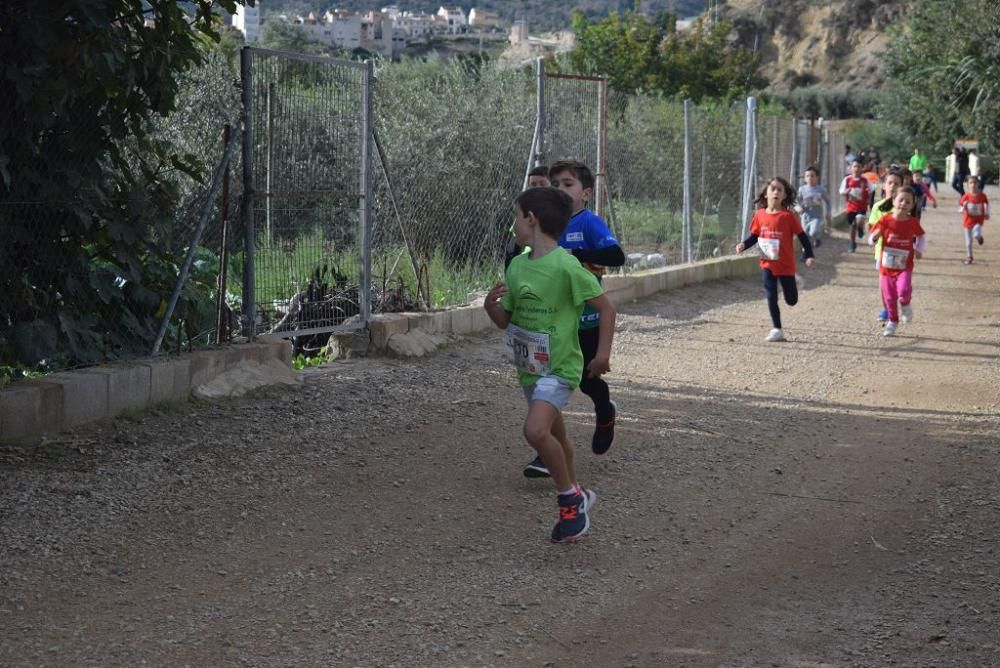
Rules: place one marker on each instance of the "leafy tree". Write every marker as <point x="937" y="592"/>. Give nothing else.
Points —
<point x="84" y="182"/>
<point x="640" y="55"/>
<point x="944" y="69"/>
<point x="283" y="36"/>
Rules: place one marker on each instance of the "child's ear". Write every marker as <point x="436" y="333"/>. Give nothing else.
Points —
<point x="587" y="194"/>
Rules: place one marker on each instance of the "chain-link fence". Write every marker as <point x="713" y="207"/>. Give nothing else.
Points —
<point x="306" y="151"/>
<point x="351" y="193"/>
<point x="455" y="139"/>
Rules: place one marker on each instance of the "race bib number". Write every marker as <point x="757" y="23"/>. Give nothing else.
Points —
<point x="528" y="351"/>
<point x="974" y="208"/>
<point x="770" y="248"/>
<point x="894" y="258"/>
<point x="854" y="194"/>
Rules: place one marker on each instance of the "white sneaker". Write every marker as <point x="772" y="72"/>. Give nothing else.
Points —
<point x="890" y="329"/>
<point x="906" y="312"/>
<point x="776" y="335"/>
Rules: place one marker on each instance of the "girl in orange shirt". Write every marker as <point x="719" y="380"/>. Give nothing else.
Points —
<point x="902" y="240"/>
<point x="774" y="229"/>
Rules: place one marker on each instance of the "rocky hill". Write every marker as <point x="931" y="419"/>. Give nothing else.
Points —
<point x="834" y="45"/>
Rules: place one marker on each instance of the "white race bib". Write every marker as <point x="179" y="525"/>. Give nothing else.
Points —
<point x="894" y="258"/>
<point x="528" y="351"/>
<point x="854" y="194"/>
<point x="769" y="248"/>
<point x="974" y="208"/>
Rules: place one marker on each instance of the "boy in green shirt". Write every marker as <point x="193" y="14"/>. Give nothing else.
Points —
<point x="540" y="307"/>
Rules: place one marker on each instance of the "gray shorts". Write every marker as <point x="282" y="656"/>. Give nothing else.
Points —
<point x="551" y="389"/>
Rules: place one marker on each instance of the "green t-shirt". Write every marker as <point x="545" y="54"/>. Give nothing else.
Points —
<point x="547" y="296"/>
<point x="918" y="162"/>
<point x="873" y="218"/>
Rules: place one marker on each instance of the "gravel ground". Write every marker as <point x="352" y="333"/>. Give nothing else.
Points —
<point x="828" y="501"/>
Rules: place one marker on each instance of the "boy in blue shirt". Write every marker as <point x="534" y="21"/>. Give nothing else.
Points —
<point x="590" y="241"/>
<point x="540" y="307"/>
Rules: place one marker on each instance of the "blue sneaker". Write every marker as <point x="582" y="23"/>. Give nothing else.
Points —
<point x="883" y="315"/>
<point x="854" y="246"/>
<point x="574" y="518"/>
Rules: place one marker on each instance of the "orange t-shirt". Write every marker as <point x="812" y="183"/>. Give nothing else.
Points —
<point x="776" y="234"/>
<point x="973" y="209"/>
<point x="898" y="240"/>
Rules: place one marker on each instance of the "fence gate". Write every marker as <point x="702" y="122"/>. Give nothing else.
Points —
<point x="306" y="173"/>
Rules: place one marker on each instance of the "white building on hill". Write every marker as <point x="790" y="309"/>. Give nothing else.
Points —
<point x="484" y="20"/>
<point x="247" y="21"/>
<point x="454" y="18"/>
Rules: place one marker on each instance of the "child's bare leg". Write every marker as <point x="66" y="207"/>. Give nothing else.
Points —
<point x="539" y="431"/>
<point x="559" y="432"/>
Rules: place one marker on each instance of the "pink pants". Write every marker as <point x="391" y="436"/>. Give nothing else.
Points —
<point x="898" y="288"/>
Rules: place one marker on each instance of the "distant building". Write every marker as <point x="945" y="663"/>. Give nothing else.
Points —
<point x="247" y="21"/>
<point x="484" y="20"/>
<point x="454" y="18"/>
<point x="519" y="33"/>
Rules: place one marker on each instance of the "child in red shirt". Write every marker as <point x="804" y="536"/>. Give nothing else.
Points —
<point x="774" y="229"/>
<point x="975" y="208"/>
<point x="902" y="239"/>
<point x="855" y="188"/>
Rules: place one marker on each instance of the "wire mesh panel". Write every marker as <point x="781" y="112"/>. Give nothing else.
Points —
<point x="836" y="168"/>
<point x="572" y="119"/>
<point x="716" y="174"/>
<point x="646" y="177"/>
<point x="454" y="142"/>
<point x="306" y="121"/>
<point x="776" y="148"/>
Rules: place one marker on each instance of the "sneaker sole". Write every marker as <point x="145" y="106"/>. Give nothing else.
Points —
<point x="535" y="472"/>
<point x="575" y="537"/>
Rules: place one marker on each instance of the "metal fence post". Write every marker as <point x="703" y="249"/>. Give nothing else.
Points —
<point x="268" y="182"/>
<point x="749" y="164"/>
<point x="365" y="293"/>
<point x="686" y="254"/>
<point x="534" y="154"/>
<point x="249" y="231"/>
<point x="540" y="145"/>
<point x="795" y="149"/>
<point x="602" y="146"/>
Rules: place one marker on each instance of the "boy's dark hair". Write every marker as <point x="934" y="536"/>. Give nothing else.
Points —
<point x="580" y="171"/>
<point x="916" y="199"/>
<point x="761" y="200"/>
<point x="539" y="170"/>
<point x="813" y="169"/>
<point x="550" y="206"/>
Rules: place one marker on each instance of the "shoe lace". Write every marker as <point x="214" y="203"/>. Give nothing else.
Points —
<point x="568" y="512"/>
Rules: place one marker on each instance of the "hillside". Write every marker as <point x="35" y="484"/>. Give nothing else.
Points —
<point x="834" y="45"/>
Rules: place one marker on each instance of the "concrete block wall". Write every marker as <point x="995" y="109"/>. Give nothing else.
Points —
<point x="31" y="410"/>
<point x="621" y="290"/>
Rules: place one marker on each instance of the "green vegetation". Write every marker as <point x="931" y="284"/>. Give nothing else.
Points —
<point x="89" y="189"/>
<point x="642" y="55"/>
<point x="951" y="89"/>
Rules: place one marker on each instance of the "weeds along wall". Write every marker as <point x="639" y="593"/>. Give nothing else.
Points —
<point x="357" y="188"/>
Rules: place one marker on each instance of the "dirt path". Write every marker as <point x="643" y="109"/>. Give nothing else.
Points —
<point x="829" y="501"/>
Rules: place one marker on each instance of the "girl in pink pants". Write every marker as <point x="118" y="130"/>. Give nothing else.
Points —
<point x="902" y="240"/>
